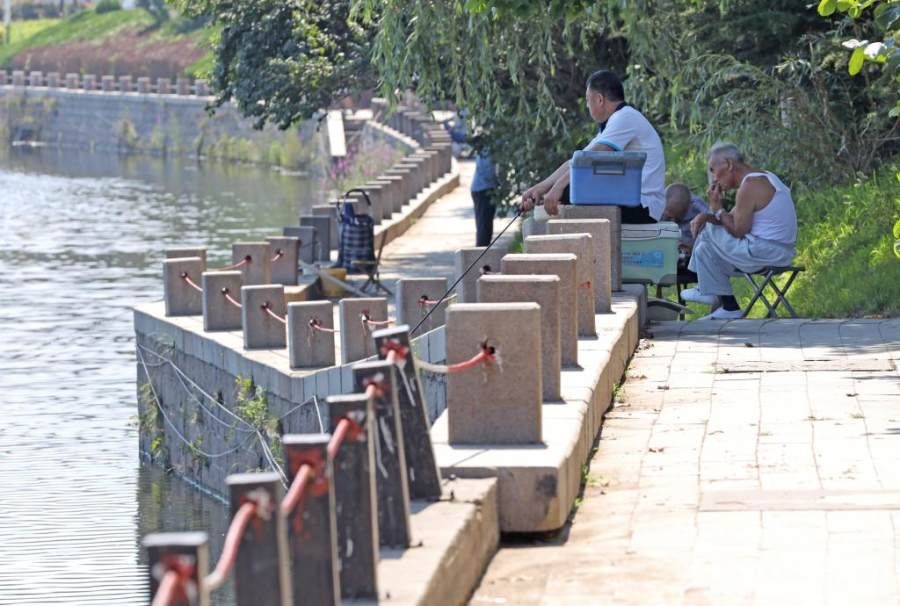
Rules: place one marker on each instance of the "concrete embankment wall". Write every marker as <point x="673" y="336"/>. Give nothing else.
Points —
<point x="203" y="441"/>
<point x="125" y="120"/>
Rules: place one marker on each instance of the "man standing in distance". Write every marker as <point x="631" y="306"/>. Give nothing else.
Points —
<point x="622" y="128"/>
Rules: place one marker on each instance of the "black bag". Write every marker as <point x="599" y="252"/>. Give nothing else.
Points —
<point x="357" y="235"/>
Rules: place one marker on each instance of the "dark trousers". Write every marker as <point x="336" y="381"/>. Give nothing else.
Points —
<point x="633" y="215"/>
<point x="485" y="209"/>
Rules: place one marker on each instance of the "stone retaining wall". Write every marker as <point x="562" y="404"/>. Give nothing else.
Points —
<point x="127" y="115"/>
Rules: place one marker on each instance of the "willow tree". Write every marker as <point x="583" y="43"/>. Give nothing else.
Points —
<point x="761" y="73"/>
<point x="517" y="68"/>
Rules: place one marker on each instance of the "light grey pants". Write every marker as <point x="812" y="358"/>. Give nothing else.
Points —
<point x="717" y="254"/>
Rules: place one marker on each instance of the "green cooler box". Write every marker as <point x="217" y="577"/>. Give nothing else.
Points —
<point x="650" y="252"/>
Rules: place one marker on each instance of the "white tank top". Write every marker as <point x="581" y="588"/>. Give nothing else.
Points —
<point x="778" y="220"/>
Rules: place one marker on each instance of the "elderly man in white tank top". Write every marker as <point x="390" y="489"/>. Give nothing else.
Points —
<point x="760" y="231"/>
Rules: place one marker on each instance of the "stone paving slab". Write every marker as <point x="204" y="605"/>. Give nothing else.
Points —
<point x="733" y="488"/>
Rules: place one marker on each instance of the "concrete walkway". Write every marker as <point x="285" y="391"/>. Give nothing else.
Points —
<point x="747" y="462"/>
<point x="428" y="248"/>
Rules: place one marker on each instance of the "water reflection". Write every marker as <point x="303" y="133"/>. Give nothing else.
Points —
<point x="82" y="239"/>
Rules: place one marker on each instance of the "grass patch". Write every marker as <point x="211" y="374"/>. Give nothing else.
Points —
<point x="22" y="30"/>
<point x="86" y="25"/>
<point x="90" y="26"/>
<point x="847" y="245"/>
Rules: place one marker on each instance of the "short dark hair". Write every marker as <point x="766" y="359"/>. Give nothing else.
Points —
<point x="607" y="84"/>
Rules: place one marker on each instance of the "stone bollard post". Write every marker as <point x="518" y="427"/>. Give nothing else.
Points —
<point x="391" y="481"/>
<point x="395" y="120"/>
<point x="308" y="347"/>
<point x="262" y="569"/>
<point x="89" y="82"/>
<point x="356" y="496"/>
<point x="564" y="267"/>
<point x="434" y="134"/>
<point x="73" y="81"/>
<point x="427" y="162"/>
<point x="126" y="85"/>
<point x="179" y="294"/>
<point x="285" y="251"/>
<point x="261" y="330"/>
<point x="218" y="312"/>
<point x="415" y="175"/>
<point x="599" y="231"/>
<point x="36" y="79"/>
<point x="395" y="196"/>
<point x="581" y="246"/>
<point x="188" y="552"/>
<point x="356" y="335"/>
<point x="426" y="165"/>
<point x="107" y="83"/>
<point x="414" y="122"/>
<point x="178" y="253"/>
<point x="143" y="86"/>
<point x="613" y="214"/>
<point x="53" y="80"/>
<point x="406" y="121"/>
<point x="379" y="109"/>
<point x="183" y="86"/>
<point x="201" y="88"/>
<point x="416" y="297"/>
<point x="312" y="527"/>
<point x="306" y="242"/>
<point x="256" y="262"/>
<point x="495" y="403"/>
<point x="18" y="78"/>
<point x="330" y="211"/>
<point x="445" y="150"/>
<point x="488" y="264"/>
<point x="433" y="163"/>
<point x="163" y="86"/>
<point x="322" y="226"/>
<point x="543" y="290"/>
<point x="423" y="472"/>
<point x="380" y="204"/>
<point x="406" y="185"/>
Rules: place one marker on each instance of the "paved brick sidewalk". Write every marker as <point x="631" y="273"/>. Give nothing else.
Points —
<point x="747" y="462"/>
<point x="428" y="248"/>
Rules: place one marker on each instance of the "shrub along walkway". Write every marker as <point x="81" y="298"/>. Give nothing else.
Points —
<point x="747" y="462"/>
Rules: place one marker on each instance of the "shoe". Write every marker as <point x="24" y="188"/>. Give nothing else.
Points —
<point x="695" y="296"/>
<point x="724" y="314"/>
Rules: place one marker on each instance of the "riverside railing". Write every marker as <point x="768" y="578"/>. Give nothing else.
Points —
<point x="348" y="492"/>
<point x="121" y="84"/>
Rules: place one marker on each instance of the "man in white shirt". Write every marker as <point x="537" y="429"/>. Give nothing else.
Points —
<point x="622" y="128"/>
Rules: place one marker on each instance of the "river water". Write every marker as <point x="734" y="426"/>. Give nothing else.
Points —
<point x="81" y="240"/>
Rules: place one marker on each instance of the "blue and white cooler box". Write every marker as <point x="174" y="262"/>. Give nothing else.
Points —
<point x="650" y="252"/>
<point x="606" y="178"/>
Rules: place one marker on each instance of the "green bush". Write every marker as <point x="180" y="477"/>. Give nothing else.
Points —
<point x="107" y="6"/>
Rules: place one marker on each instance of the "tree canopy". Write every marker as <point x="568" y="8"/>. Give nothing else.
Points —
<point x="770" y="75"/>
<point x="281" y="62"/>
